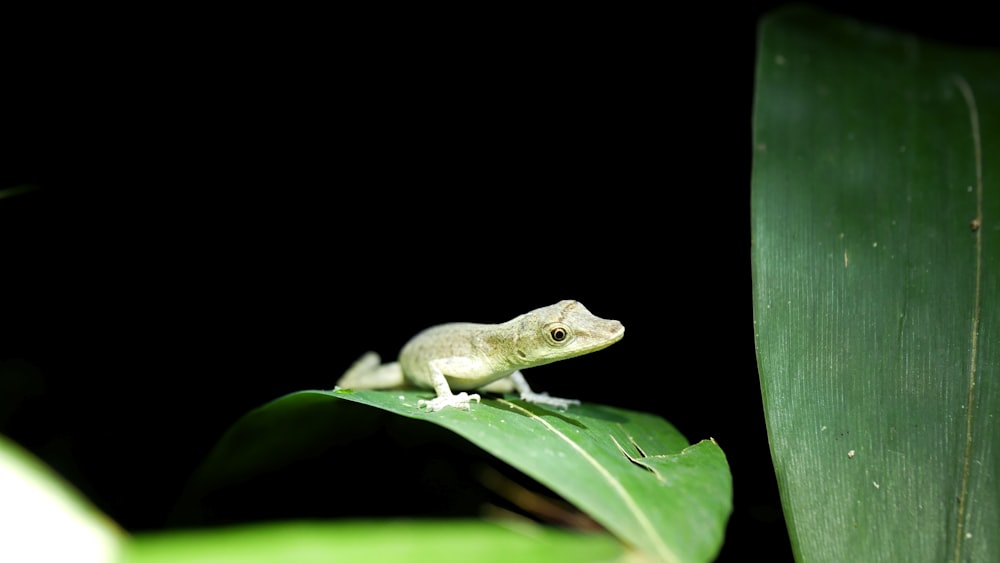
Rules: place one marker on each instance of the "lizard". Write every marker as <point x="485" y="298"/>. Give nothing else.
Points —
<point x="487" y="357"/>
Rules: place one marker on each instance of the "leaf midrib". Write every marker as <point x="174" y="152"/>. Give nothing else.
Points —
<point x="662" y="550"/>
<point x="970" y="101"/>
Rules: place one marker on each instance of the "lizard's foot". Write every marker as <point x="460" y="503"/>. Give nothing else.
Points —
<point x="459" y="401"/>
<point x="545" y="399"/>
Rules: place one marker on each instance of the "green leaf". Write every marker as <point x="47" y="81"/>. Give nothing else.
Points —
<point x="404" y="540"/>
<point x="44" y="519"/>
<point x="632" y="472"/>
<point x="876" y="286"/>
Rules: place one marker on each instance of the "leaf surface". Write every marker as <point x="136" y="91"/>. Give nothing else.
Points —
<point x="632" y="472"/>
<point x="876" y="288"/>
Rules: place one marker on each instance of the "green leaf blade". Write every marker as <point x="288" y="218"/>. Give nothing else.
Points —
<point x="677" y="513"/>
<point x="632" y="472"/>
<point x="869" y="283"/>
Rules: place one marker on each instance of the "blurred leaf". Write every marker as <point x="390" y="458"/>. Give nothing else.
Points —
<point x="411" y="541"/>
<point x="876" y="283"/>
<point x="16" y="190"/>
<point x="44" y="519"/>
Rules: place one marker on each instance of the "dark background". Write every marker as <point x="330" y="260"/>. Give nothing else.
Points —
<point x="236" y="206"/>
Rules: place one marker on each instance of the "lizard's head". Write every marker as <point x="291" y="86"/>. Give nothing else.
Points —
<point x="564" y="330"/>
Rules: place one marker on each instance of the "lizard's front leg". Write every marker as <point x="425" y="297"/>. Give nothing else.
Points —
<point x="527" y="394"/>
<point x="445" y="398"/>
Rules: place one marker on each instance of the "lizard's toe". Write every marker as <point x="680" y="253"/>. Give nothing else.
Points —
<point x="459" y="401"/>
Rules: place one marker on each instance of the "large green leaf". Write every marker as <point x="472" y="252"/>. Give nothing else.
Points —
<point x="632" y="472"/>
<point x="876" y="284"/>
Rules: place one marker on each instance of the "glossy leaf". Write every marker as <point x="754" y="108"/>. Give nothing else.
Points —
<point x="630" y="471"/>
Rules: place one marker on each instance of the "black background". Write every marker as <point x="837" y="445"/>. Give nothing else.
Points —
<point x="236" y="206"/>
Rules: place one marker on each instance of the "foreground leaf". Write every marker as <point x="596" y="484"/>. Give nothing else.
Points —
<point x="43" y="519"/>
<point x="410" y="541"/>
<point x="876" y="281"/>
<point x="630" y="471"/>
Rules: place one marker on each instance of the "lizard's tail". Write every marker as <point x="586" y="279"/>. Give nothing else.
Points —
<point x="368" y="373"/>
<point x="362" y="366"/>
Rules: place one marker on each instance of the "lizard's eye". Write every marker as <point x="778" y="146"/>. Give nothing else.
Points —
<point x="558" y="334"/>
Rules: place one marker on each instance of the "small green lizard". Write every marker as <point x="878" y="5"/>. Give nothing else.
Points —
<point x="487" y="357"/>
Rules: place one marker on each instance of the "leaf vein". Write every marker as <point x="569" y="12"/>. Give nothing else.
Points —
<point x="970" y="102"/>
<point x="640" y="516"/>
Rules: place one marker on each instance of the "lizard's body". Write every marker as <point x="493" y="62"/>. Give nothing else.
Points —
<point x="465" y="356"/>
